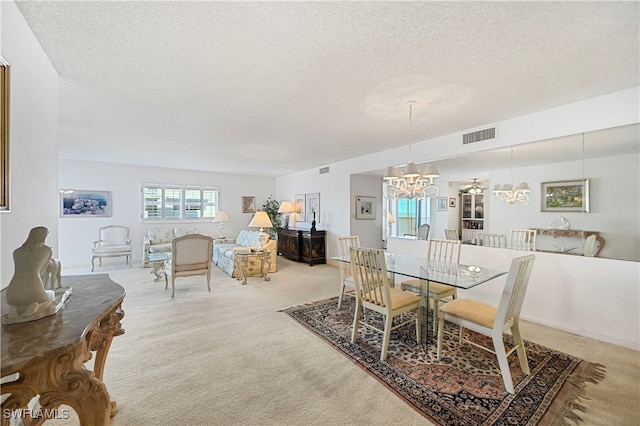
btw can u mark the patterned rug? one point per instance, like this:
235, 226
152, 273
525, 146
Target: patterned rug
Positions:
465, 387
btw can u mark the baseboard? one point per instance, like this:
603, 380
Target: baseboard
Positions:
584, 333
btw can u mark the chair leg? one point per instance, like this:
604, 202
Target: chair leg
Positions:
173, 285
503, 362
522, 354
92, 262
388, 323
356, 322
209, 281
166, 282
440, 332
340, 296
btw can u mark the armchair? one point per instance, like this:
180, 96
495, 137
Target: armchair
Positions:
190, 255
113, 242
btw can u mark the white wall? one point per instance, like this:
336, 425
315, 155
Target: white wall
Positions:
33, 135
620, 277
124, 182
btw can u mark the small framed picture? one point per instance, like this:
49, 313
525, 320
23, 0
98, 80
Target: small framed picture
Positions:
76, 203
365, 207
441, 204
300, 206
248, 204
452, 202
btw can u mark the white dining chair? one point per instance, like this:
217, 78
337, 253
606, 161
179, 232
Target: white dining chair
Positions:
522, 239
494, 240
375, 294
347, 286
493, 322
451, 234
439, 252
590, 246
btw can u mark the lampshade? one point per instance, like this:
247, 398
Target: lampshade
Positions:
221, 217
286, 207
261, 220
390, 218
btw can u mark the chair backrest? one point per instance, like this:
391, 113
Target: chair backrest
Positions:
590, 246
451, 234
114, 235
494, 240
369, 270
514, 289
522, 239
423, 231
440, 250
344, 246
191, 252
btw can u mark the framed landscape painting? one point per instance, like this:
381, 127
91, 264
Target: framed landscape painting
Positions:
565, 196
77, 203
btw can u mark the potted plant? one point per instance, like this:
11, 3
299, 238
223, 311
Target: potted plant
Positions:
271, 207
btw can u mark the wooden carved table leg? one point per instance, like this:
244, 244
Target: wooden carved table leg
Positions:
265, 261
62, 379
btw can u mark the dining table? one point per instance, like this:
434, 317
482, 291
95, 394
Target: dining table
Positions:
458, 275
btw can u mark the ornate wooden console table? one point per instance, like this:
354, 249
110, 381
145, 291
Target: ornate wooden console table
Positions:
49, 354
569, 238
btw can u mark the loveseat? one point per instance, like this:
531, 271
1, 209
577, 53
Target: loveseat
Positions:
224, 251
158, 240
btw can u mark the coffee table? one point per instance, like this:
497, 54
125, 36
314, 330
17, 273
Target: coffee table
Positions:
252, 263
157, 261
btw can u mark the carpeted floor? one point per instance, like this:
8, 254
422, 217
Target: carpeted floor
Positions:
231, 357
465, 387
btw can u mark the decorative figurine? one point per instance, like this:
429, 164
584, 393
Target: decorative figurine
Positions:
313, 223
26, 296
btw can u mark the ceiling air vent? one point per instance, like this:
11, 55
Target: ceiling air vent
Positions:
480, 135
324, 170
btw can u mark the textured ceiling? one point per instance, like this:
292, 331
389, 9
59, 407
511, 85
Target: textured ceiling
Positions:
269, 88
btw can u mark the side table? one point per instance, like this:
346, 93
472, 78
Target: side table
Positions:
252, 263
157, 261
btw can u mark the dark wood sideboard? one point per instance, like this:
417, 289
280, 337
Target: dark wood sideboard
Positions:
302, 245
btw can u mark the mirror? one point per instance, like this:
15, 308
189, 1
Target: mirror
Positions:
609, 161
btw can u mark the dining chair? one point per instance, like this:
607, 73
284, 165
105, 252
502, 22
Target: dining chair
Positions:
522, 239
590, 246
113, 241
439, 251
493, 322
190, 255
375, 294
346, 278
423, 231
494, 240
451, 234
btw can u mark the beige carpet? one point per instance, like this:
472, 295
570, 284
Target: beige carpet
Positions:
230, 358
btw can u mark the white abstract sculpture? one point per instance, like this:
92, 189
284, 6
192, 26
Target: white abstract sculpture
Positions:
26, 296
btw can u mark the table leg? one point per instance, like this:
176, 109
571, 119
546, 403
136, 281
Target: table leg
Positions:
268, 266
425, 315
157, 270
62, 378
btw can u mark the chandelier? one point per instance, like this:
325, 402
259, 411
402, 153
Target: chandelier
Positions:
412, 182
508, 194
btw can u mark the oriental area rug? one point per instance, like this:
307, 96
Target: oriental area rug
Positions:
465, 387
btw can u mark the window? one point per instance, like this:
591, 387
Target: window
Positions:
172, 202
408, 215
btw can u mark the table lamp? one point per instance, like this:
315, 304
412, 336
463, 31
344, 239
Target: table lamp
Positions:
261, 220
286, 207
221, 218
